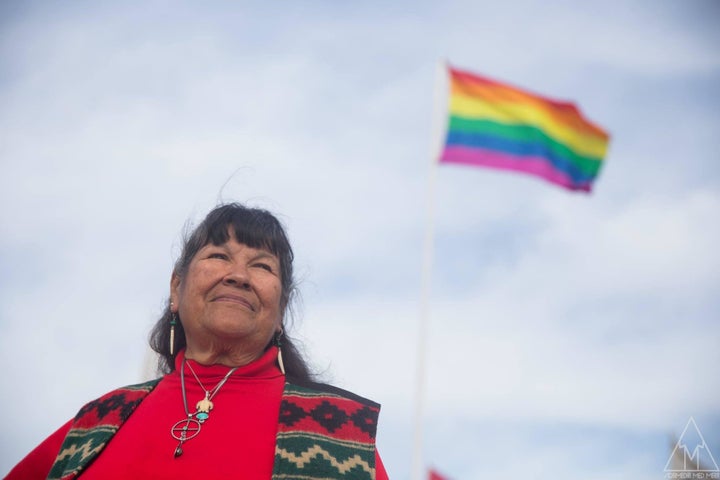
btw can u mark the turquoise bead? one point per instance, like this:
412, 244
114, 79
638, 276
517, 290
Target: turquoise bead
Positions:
202, 416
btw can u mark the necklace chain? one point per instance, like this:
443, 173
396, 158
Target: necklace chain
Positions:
209, 394
189, 427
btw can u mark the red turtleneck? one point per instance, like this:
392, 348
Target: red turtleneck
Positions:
233, 443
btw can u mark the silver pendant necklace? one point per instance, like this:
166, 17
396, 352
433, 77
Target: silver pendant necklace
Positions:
189, 427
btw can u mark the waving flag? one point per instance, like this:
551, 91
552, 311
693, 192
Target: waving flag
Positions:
500, 126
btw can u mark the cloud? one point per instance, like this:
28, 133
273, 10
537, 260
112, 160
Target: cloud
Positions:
588, 312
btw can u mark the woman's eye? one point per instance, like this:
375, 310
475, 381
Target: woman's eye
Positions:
265, 266
219, 255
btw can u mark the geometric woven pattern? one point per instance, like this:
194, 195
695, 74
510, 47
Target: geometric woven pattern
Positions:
94, 426
321, 435
324, 435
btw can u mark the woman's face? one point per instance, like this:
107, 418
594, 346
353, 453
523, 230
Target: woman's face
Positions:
229, 298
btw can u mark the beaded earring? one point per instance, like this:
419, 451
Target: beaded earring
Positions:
278, 344
173, 322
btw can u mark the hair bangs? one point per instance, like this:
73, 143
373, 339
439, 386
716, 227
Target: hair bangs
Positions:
251, 228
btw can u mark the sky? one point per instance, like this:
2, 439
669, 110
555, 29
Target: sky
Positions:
569, 334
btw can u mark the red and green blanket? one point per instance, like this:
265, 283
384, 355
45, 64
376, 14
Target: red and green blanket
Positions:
323, 432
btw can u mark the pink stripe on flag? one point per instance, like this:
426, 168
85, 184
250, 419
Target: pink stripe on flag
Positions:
492, 158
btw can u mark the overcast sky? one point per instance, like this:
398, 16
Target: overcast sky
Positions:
570, 335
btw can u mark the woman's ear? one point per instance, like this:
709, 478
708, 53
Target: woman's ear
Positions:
174, 293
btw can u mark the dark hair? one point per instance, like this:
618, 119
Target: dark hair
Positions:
256, 228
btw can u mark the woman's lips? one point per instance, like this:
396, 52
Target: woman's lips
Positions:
234, 299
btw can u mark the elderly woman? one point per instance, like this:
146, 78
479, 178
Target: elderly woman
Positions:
237, 399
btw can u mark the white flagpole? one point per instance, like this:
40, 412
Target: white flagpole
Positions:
436, 140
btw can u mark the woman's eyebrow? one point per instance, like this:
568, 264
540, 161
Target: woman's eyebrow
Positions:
212, 245
265, 254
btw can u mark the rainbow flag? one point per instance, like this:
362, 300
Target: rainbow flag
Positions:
496, 125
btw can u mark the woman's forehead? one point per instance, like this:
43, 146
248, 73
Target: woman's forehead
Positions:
232, 242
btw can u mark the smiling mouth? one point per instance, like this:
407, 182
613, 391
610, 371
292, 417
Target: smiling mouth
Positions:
234, 299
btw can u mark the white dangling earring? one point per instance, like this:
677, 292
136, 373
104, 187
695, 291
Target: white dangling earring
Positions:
278, 344
173, 322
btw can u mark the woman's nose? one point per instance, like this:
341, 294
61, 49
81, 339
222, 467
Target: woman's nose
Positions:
237, 277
